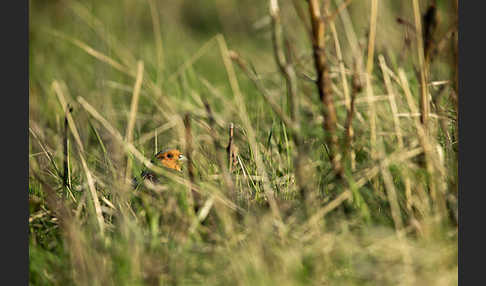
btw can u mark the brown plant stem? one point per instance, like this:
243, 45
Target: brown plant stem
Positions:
230, 149
324, 83
66, 177
424, 101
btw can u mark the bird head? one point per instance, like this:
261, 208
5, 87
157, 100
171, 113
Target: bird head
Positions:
171, 158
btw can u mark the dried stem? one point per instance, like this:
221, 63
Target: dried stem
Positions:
188, 151
195, 198
349, 100
391, 97
390, 191
324, 83
432, 166
66, 173
133, 114
283, 62
372, 36
398, 131
230, 149
424, 102
369, 70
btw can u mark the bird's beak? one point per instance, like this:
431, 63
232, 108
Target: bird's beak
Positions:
182, 158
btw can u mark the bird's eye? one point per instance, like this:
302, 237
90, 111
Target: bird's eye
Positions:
170, 155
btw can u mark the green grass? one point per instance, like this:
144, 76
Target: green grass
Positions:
389, 221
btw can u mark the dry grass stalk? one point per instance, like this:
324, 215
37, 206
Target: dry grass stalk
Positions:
98, 55
133, 115
391, 193
356, 87
372, 36
99, 215
432, 162
231, 151
342, 68
396, 124
324, 83
189, 147
283, 62
391, 98
194, 198
369, 70
352, 38
424, 97
371, 116
66, 173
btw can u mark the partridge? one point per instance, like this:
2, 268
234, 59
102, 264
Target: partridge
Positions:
169, 158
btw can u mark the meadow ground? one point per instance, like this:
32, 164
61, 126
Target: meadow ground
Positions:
314, 158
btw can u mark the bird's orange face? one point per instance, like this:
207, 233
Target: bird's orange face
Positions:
171, 158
